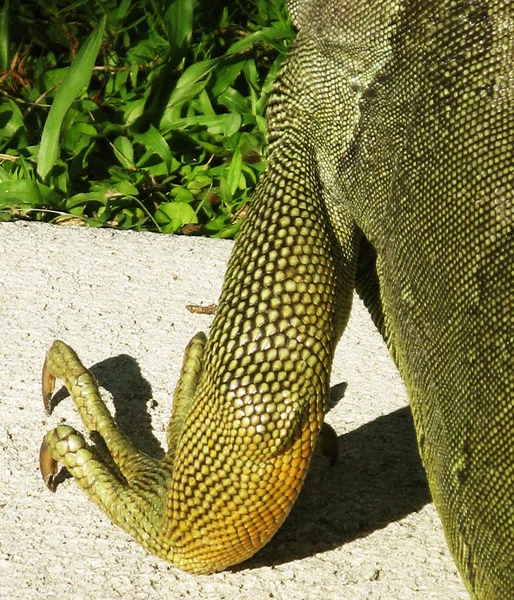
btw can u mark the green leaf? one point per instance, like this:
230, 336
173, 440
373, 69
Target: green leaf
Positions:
181, 194
199, 72
134, 109
126, 188
123, 9
217, 224
4, 37
234, 171
269, 35
110, 166
203, 104
83, 199
225, 125
153, 140
76, 78
179, 18
124, 151
234, 100
20, 192
78, 136
174, 215
52, 79
227, 76
28, 192
225, 192
230, 232
11, 120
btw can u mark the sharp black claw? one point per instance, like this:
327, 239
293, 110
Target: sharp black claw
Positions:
47, 466
48, 385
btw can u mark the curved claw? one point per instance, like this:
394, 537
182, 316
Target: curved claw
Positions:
48, 386
47, 466
329, 443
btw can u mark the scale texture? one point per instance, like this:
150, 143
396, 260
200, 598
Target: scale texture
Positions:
389, 172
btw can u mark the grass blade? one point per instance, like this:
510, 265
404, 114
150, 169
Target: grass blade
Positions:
179, 17
4, 37
77, 77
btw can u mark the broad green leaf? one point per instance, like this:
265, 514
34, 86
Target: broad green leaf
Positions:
134, 109
225, 125
157, 170
59, 178
179, 19
252, 74
123, 9
52, 79
94, 223
142, 53
82, 199
153, 140
181, 194
234, 100
75, 80
225, 192
118, 81
203, 104
124, 151
20, 192
227, 76
125, 187
217, 224
199, 183
197, 72
229, 232
78, 136
175, 215
27, 192
104, 214
11, 120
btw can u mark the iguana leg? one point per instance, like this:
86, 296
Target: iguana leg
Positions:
251, 400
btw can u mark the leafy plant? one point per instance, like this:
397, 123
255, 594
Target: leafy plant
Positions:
145, 114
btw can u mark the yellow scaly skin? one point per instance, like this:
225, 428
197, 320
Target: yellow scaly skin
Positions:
389, 172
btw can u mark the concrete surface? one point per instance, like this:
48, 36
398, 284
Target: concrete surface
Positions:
363, 529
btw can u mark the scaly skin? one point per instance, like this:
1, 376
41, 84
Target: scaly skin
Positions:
389, 172
240, 439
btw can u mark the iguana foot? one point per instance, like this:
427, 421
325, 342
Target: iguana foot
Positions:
126, 483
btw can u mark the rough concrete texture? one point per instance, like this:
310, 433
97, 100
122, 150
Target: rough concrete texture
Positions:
364, 529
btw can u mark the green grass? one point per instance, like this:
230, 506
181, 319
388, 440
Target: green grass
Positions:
136, 114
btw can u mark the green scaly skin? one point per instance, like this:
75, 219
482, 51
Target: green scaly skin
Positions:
241, 435
389, 172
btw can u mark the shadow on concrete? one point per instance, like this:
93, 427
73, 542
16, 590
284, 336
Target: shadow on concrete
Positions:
132, 394
377, 480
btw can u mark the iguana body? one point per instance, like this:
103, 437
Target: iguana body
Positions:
389, 171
